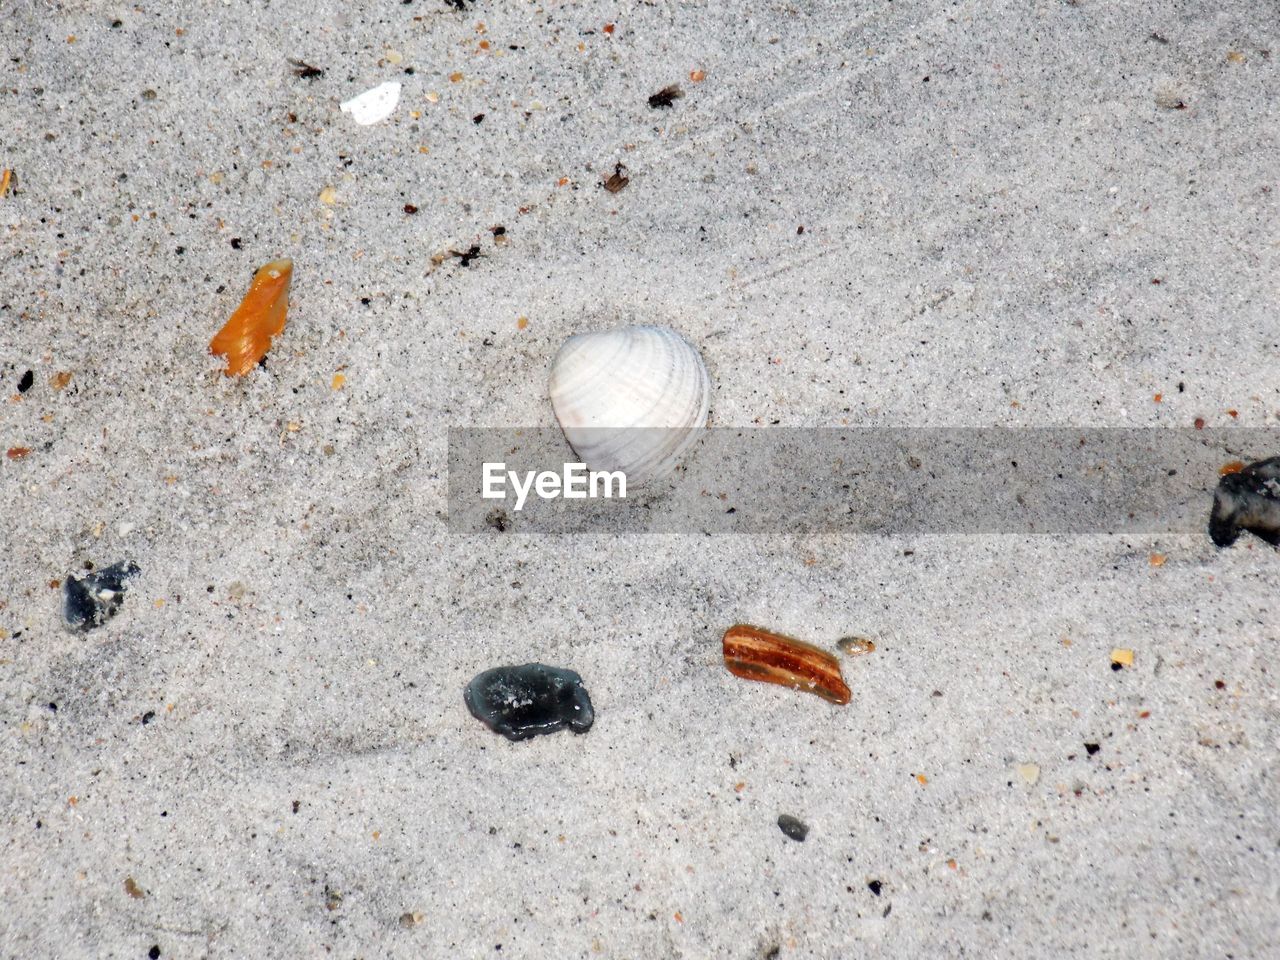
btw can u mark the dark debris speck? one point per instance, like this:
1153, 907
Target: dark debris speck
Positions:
466, 256
1092, 748
666, 97
875, 886
154, 952
25, 381
305, 70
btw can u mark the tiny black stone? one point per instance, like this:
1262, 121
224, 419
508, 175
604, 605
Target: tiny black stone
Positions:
25, 381
53, 706
154, 952
793, 827
148, 717
529, 700
498, 231
1092, 748
478, 119
1116, 667
875, 886
95, 598
235, 243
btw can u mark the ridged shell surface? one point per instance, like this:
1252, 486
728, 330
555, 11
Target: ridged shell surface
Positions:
632, 399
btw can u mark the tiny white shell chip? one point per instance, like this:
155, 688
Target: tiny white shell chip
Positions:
373, 105
633, 399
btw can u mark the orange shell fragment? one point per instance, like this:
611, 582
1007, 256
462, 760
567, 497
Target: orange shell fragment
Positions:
756, 654
246, 338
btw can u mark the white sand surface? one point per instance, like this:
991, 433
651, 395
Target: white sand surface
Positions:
988, 191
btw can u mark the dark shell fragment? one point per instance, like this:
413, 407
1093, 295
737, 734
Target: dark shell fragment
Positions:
92, 600
793, 827
1247, 500
525, 701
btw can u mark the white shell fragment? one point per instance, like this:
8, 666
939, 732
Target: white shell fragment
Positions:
632, 399
373, 105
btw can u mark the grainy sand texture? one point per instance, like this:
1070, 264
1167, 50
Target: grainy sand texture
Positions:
909, 213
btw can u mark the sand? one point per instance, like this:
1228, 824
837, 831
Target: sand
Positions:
1057, 213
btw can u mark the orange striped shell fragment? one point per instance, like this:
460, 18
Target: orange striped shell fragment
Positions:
246, 338
755, 654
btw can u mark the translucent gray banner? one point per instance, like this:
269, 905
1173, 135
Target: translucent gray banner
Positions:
1053, 480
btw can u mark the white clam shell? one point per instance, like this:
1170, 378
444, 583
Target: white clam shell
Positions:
632, 399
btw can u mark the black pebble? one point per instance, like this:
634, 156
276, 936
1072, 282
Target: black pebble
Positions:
92, 600
154, 952
525, 701
875, 887
793, 827
24, 384
1092, 748
1248, 500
